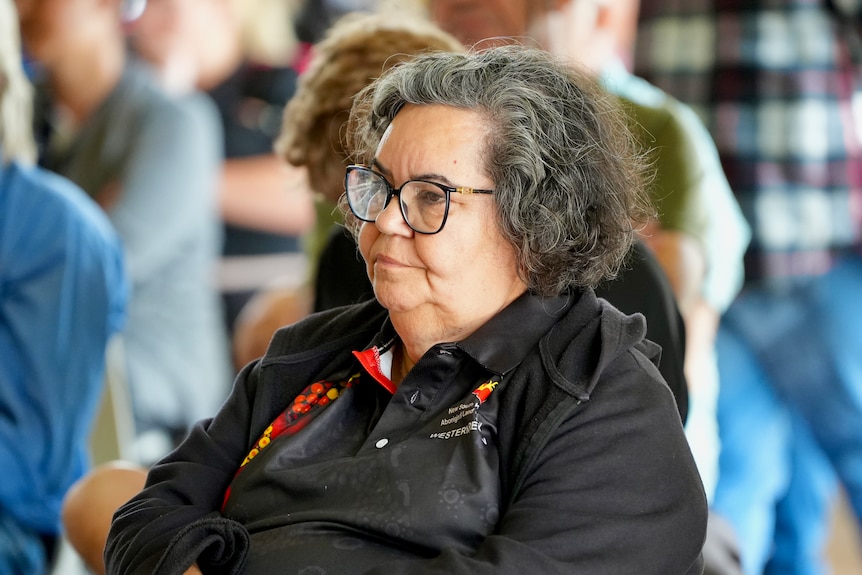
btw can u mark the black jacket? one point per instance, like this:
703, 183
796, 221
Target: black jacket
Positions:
596, 473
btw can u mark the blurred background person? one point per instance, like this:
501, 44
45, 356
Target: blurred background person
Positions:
153, 163
700, 234
316, 17
241, 53
62, 297
775, 83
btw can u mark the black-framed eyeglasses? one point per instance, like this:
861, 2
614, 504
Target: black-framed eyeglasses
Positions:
424, 205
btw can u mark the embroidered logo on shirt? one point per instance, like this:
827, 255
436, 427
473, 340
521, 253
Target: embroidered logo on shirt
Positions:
483, 391
465, 409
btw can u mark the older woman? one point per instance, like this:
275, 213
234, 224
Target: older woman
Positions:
485, 413
354, 52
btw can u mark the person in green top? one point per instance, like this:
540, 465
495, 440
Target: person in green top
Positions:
700, 234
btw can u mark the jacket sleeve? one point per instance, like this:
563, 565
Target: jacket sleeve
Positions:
614, 490
175, 521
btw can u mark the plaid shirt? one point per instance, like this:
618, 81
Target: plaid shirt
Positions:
774, 82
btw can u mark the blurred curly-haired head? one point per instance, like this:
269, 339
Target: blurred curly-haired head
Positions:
569, 176
354, 52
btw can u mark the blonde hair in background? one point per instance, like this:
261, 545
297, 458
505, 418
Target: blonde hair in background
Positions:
16, 93
409, 7
355, 51
267, 30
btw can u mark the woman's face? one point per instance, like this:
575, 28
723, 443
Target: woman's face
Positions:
196, 33
56, 30
161, 29
473, 20
460, 277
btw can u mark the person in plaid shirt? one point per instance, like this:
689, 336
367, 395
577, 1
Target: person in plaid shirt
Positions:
775, 83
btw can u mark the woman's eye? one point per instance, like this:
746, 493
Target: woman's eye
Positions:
431, 196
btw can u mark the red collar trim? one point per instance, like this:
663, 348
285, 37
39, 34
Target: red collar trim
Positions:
370, 360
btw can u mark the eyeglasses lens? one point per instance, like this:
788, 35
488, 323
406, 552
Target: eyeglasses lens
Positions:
423, 204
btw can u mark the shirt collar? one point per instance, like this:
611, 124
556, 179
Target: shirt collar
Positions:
506, 339
377, 361
498, 346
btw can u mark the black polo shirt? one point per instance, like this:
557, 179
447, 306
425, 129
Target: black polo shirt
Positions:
357, 472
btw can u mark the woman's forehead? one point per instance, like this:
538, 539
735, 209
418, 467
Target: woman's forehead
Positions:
436, 142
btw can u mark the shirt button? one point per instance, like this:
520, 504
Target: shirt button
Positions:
381, 443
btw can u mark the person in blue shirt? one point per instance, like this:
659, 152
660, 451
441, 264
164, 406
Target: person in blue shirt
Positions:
62, 296
152, 162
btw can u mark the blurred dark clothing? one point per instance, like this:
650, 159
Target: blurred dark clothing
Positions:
250, 104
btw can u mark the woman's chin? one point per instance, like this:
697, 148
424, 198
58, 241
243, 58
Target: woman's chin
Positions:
393, 305
396, 300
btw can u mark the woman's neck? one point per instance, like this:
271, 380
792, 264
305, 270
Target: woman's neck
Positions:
401, 364
422, 327
420, 332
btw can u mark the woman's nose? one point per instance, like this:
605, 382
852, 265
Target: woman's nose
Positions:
391, 220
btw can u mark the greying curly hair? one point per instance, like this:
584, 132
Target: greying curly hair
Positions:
569, 179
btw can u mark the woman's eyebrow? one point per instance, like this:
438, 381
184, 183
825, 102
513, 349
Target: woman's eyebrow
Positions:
375, 163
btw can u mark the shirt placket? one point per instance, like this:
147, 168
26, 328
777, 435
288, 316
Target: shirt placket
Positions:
434, 382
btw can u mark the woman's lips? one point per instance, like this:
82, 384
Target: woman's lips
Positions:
388, 261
